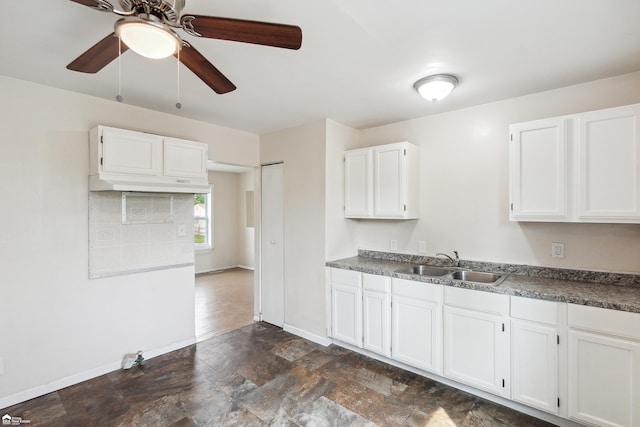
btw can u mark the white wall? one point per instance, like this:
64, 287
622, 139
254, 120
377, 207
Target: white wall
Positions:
341, 234
246, 239
56, 325
302, 149
464, 186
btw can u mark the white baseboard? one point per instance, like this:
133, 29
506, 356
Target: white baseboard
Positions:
221, 269
323, 341
61, 383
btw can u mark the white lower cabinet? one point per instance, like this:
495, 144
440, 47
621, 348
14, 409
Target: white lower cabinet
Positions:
476, 339
534, 353
346, 306
416, 324
376, 312
604, 366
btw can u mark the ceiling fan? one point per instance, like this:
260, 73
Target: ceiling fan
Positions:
148, 28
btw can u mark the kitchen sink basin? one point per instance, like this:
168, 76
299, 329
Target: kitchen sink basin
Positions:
425, 270
476, 276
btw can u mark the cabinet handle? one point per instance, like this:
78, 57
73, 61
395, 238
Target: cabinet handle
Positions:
184, 181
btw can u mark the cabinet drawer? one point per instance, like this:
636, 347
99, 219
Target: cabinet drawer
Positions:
373, 282
346, 277
535, 310
620, 323
477, 300
418, 290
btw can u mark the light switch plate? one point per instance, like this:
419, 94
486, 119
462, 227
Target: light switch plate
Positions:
182, 230
1, 365
393, 245
422, 246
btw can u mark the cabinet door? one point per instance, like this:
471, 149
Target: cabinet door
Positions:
534, 365
476, 350
346, 304
376, 313
604, 379
416, 333
185, 159
389, 181
358, 179
539, 170
609, 162
129, 152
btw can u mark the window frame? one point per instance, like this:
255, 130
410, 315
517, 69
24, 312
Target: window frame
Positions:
207, 246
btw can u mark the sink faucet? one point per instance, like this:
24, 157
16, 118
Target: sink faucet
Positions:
455, 261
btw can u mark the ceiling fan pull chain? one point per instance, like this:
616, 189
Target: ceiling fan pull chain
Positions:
178, 104
119, 96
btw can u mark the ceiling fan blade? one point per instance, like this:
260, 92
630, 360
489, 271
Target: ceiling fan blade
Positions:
98, 56
205, 70
101, 5
239, 30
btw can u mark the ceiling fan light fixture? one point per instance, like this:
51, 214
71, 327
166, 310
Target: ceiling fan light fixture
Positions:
437, 87
150, 39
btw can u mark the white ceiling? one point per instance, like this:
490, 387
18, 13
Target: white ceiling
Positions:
358, 61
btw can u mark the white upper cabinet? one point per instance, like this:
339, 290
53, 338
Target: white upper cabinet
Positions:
358, 190
382, 182
130, 152
609, 162
579, 168
124, 160
185, 159
538, 168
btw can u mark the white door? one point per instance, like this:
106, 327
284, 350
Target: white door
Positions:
272, 246
358, 183
129, 152
185, 159
389, 181
609, 158
604, 379
476, 350
538, 170
347, 313
415, 332
534, 373
376, 312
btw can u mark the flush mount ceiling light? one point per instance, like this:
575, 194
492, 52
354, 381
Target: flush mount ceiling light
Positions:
436, 87
147, 36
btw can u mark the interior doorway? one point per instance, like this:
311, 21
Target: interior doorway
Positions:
224, 282
224, 302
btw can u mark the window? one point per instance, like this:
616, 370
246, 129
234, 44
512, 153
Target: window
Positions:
202, 220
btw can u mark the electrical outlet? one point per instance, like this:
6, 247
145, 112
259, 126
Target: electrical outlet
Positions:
422, 246
182, 230
557, 249
393, 245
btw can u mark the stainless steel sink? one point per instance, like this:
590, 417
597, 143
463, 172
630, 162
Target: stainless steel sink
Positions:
476, 276
424, 270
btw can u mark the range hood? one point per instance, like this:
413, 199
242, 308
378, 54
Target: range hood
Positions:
98, 183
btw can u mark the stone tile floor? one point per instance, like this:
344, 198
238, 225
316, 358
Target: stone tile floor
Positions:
260, 375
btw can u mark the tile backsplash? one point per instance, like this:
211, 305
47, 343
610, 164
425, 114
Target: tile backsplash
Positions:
118, 245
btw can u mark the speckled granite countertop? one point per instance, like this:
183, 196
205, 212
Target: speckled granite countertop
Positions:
615, 291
